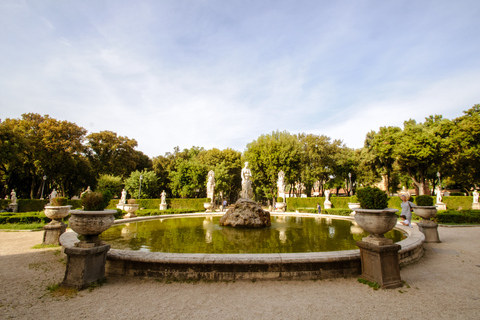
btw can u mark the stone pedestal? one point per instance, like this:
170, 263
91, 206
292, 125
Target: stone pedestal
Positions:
52, 232
163, 206
441, 206
476, 206
380, 264
327, 205
14, 207
430, 229
85, 266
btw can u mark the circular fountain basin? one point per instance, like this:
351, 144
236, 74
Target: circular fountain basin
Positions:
194, 246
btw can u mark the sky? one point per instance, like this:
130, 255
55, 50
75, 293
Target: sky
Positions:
218, 74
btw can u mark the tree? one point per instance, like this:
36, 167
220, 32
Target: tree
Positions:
47, 147
111, 183
422, 149
227, 166
149, 184
188, 179
463, 168
318, 160
112, 154
381, 147
270, 154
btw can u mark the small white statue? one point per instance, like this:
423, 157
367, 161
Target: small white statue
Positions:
53, 195
475, 196
164, 197
327, 195
86, 191
247, 192
123, 198
438, 192
13, 195
211, 185
281, 183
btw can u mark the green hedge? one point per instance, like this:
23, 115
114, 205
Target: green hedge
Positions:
458, 202
464, 216
294, 204
4, 204
186, 204
23, 217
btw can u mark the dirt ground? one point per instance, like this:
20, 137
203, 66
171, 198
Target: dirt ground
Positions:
445, 284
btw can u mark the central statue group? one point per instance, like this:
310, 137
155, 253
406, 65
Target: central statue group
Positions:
246, 213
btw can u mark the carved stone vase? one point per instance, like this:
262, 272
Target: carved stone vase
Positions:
56, 227
427, 226
379, 255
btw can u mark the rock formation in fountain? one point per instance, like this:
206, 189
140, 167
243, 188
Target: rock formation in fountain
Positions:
246, 214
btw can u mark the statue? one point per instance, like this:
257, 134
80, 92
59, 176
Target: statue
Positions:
86, 191
475, 196
327, 204
438, 192
211, 186
163, 195
281, 184
53, 195
123, 199
14, 196
247, 192
327, 195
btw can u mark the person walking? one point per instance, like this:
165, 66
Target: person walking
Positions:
407, 208
319, 208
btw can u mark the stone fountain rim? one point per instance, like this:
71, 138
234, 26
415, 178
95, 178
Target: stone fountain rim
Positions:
414, 239
53, 207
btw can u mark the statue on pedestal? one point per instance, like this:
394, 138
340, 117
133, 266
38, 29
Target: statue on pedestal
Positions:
123, 198
53, 195
247, 192
281, 184
211, 186
438, 192
475, 196
13, 195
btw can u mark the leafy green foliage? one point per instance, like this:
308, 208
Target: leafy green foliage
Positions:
372, 198
464, 216
373, 285
59, 201
96, 201
270, 154
149, 184
189, 176
111, 183
424, 200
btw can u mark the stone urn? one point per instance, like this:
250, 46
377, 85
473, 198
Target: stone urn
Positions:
376, 222
90, 224
427, 226
56, 227
57, 213
208, 206
130, 209
281, 206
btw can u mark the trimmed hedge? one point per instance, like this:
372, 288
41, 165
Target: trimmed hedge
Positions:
464, 216
27, 217
458, 202
185, 204
294, 204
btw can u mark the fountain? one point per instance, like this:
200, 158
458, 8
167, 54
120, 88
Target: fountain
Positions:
198, 246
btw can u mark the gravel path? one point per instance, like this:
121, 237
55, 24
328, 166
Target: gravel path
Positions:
445, 284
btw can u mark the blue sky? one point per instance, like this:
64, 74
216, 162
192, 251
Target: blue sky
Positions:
221, 73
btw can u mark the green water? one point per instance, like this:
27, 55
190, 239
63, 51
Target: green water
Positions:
203, 235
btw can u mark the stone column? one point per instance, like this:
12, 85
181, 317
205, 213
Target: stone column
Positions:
85, 266
380, 264
52, 233
430, 229
14, 207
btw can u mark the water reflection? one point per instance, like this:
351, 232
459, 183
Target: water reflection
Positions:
205, 235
